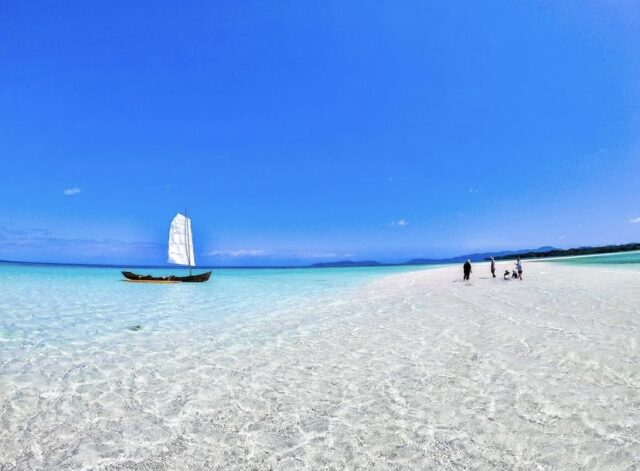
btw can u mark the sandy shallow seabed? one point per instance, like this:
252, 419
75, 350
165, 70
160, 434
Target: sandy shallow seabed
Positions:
414, 371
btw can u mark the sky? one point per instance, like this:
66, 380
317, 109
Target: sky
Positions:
300, 132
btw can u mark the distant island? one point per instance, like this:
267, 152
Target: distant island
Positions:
572, 252
474, 257
541, 252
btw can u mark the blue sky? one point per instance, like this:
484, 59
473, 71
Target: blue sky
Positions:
299, 132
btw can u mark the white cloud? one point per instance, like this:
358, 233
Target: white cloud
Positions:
635, 220
72, 191
237, 253
399, 223
473, 190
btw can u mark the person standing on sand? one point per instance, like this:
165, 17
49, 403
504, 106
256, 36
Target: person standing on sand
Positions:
467, 270
519, 268
493, 267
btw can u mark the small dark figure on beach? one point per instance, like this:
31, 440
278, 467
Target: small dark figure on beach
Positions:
467, 270
519, 268
493, 267
506, 274
514, 274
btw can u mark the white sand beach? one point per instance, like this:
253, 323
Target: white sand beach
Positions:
414, 371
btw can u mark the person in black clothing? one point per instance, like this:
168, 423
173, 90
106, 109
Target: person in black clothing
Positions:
493, 267
467, 270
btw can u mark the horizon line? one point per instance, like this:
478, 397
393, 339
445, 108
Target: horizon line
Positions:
417, 261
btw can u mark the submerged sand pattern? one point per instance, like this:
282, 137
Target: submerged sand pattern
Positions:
413, 371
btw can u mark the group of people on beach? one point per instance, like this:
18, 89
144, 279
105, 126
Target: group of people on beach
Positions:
516, 273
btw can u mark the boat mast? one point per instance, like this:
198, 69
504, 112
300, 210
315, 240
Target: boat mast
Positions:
186, 236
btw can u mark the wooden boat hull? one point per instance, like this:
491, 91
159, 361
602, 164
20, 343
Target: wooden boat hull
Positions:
199, 278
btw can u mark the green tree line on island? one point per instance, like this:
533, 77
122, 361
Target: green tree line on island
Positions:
573, 252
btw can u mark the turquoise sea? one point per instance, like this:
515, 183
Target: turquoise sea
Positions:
625, 258
57, 304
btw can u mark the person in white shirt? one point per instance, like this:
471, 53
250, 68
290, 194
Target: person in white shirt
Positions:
519, 267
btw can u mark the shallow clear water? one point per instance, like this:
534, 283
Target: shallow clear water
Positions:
96, 371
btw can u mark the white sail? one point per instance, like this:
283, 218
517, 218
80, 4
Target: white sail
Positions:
181, 242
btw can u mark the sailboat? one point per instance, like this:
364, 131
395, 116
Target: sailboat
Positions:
180, 253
